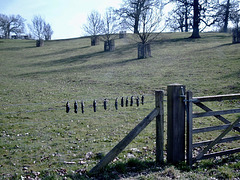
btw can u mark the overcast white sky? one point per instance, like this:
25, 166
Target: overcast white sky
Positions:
66, 17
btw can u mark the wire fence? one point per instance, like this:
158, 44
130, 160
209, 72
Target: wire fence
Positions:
80, 105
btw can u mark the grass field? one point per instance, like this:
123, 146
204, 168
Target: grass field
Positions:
39, 139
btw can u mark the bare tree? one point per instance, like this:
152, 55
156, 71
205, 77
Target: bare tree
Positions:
149, 22
110, 25
226, 11
48, 32
40, 29
179, 17
131, 11
37, 27
109, 30
204, 11
94, 24
11, 24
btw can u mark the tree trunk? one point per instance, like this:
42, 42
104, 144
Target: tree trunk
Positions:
196, 20
144, 51
236, 36
94, 40
225, 27
136, 25
122, 34
39, 43
186, 20
109, 45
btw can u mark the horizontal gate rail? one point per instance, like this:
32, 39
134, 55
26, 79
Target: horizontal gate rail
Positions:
205, 143
231, 151
216, 98
212, 128
215, 113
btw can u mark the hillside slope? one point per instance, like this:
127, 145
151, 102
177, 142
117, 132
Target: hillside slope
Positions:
35, 84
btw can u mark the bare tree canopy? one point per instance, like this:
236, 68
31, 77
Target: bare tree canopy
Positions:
110, 24
149, 22
37, 27
94, 24
180, 17
40, 29
11, 24
47, 31
132, 10
227, 10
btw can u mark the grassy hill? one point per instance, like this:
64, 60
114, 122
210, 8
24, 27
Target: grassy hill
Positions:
36, 133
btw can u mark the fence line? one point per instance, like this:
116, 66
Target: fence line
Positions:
110, 107
98, 101
79, 100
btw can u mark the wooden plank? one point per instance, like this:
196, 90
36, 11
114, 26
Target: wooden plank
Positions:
221, 118
189, 128
159, 95
205, 143
231, 151
200, 155
216, 98
215, 113
124, 142
212, 128
175, 123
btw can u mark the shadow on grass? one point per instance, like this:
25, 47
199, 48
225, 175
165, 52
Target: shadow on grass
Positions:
73, 59
17, 48
82, 68
81, 59
130, 169
59, 52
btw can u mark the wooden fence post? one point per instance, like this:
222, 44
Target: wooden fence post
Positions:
175, 123
159, 95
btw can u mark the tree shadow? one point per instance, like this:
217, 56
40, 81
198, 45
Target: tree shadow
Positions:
16, 48
79, 58
219, 46
83, 68
175, 40
59, 52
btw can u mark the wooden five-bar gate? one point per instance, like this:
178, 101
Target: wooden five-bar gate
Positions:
227, 127
180, 109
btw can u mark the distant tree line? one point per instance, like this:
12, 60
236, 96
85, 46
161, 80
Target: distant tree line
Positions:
15, 24
191, 14
143, 17
146, 19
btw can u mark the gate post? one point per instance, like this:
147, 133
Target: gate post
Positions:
159, 95
175, 123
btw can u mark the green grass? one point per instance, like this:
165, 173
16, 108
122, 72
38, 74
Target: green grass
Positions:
37, 135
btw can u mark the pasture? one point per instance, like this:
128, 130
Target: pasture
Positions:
38, 138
